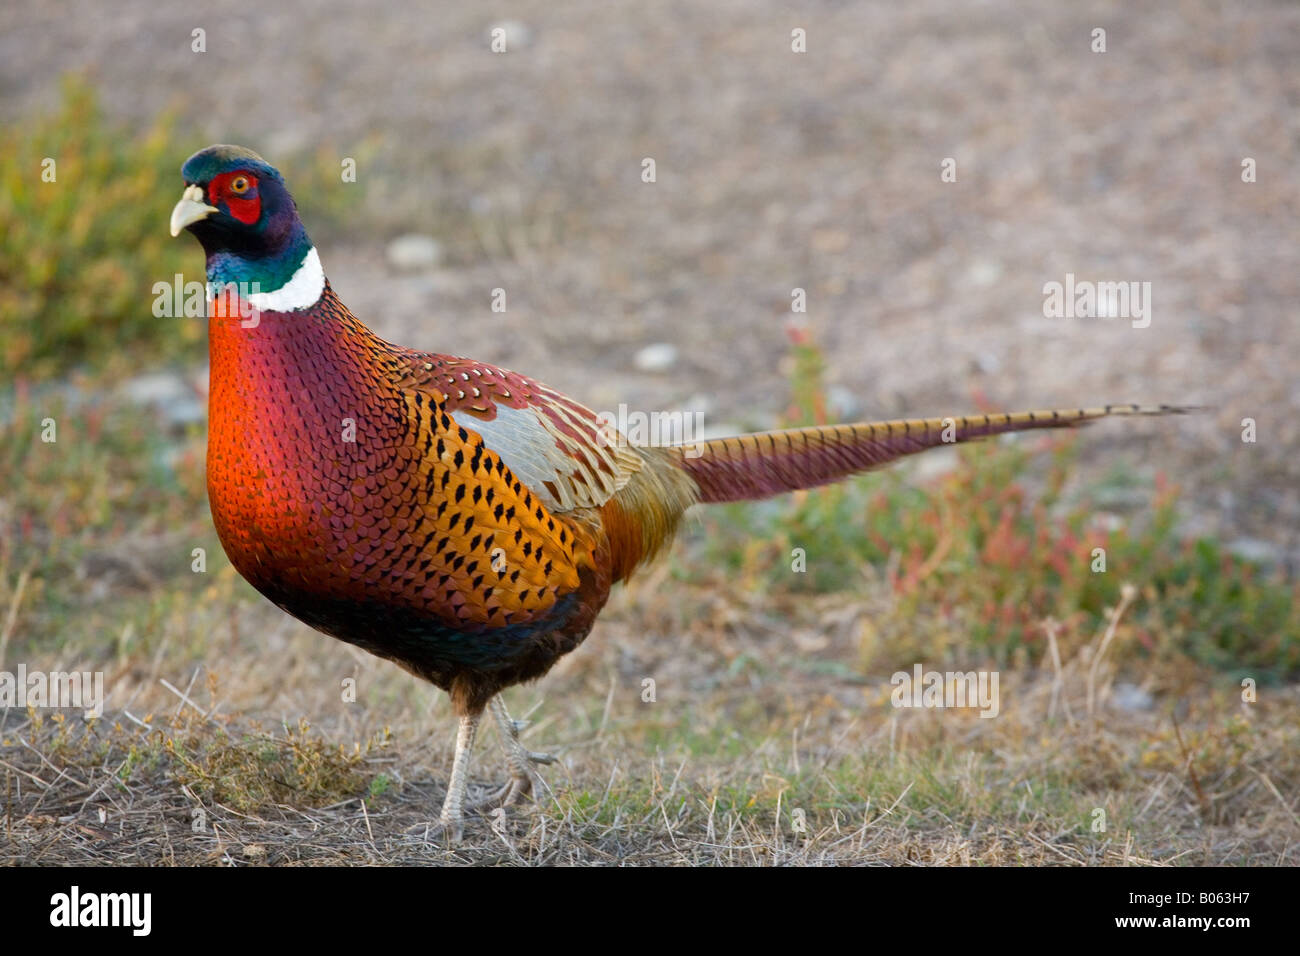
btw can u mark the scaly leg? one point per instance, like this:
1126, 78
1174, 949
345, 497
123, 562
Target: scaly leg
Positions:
452, 820
524, 780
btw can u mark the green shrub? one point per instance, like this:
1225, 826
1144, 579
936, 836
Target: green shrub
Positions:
79, 256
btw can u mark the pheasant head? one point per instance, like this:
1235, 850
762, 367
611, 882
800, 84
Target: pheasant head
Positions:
238, 207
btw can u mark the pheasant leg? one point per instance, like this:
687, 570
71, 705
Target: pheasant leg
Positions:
451, 821
524, 780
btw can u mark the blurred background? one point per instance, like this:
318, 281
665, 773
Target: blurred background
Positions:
775, 170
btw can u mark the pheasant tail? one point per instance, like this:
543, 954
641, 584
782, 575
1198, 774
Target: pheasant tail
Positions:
770, 463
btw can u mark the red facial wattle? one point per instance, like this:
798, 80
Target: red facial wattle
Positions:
243, 204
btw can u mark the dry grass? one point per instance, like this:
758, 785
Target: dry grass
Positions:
753, 722
880, 791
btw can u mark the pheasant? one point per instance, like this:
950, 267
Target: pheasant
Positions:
463, 521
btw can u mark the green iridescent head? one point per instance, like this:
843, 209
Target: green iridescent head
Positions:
238, 207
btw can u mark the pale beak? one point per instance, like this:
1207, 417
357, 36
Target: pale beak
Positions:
190, 209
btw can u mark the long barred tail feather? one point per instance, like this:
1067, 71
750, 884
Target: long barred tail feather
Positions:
769, 463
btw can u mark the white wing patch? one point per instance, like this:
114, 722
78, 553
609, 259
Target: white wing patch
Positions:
565, 472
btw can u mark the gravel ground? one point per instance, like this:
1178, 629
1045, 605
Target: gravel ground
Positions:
778, 170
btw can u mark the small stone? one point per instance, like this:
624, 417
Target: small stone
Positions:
986, 363
157, 388
414, 253
174, 397
659, 357
1255, 550
1131, 697
843, 405
185, 411
288, 139
935, 463
699, 403
1107, 521
984, 272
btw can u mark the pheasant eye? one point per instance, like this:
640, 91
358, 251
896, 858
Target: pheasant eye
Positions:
239, 185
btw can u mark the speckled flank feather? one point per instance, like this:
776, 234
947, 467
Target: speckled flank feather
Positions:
757, 466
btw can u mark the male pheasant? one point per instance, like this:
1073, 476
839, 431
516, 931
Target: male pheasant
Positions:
461, 520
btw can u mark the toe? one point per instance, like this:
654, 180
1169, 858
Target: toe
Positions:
445, 832
490, 800
520, 788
